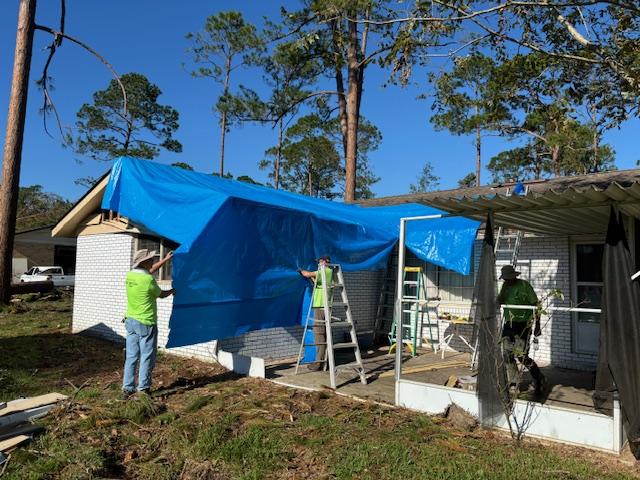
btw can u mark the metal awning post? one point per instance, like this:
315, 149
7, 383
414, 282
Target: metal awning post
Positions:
398, 303
399, 290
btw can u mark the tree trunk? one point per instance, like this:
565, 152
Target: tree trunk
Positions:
478, 156
342, 100
596, 145
13, 142
223, 118
276, 166
352, 114
555, 160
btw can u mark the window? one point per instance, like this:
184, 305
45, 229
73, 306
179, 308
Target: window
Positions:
588, 294
162, 246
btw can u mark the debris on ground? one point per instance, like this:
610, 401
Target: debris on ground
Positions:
16, 416
460, 419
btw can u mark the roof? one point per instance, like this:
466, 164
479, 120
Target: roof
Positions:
88, 204
36, 229
560, 206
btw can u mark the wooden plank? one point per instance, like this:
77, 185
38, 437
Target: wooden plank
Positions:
13, 442
427, 368
33, 402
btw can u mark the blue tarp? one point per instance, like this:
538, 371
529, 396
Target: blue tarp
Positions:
241, 244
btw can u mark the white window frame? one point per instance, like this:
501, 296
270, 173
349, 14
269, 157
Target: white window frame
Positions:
583, 240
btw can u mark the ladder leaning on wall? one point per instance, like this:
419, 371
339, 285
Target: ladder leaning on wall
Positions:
336, 314
507, 244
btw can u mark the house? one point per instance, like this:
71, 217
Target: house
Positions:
37, 246
563, 221
107, 239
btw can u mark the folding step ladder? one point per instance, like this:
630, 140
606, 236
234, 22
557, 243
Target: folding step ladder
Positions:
417, 297
336, 314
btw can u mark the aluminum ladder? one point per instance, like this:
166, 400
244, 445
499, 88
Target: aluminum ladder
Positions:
507, 245
336, 314
512, 248
386, 305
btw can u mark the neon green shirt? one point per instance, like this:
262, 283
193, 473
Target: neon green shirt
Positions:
520, 293
318, 291
142, 292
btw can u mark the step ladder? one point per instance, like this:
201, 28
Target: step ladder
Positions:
336, 314
414, 292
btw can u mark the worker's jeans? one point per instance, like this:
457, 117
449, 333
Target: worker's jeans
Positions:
515, 345
320, 334
142, 343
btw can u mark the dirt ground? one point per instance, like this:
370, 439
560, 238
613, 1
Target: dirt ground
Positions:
204, 422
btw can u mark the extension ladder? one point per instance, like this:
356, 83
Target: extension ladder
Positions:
507, 245
511, 249
336, 314
386, 304
417, 297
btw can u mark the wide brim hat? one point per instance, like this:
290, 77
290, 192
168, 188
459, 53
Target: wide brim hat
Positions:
143, 255
508, 273
326, 258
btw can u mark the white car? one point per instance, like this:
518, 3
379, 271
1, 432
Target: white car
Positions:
43, 274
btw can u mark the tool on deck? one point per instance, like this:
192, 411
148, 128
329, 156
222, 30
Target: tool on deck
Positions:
414, 293
336, 314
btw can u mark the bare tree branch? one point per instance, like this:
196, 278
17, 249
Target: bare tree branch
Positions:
59, 35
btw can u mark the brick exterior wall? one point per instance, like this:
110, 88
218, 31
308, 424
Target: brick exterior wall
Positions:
100, 303
103, 261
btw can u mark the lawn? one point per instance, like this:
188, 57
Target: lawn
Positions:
206, 423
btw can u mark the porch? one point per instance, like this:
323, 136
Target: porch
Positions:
566, 413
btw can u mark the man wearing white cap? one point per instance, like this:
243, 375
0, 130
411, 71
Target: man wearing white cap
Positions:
141, 318
516, 330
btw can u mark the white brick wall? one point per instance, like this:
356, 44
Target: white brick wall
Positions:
103, 261
546, 263
100, 303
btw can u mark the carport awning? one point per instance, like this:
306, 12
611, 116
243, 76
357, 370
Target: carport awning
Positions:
571, 211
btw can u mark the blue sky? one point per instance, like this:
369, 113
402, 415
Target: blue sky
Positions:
148, 36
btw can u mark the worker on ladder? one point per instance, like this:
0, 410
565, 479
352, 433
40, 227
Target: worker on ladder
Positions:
319, 328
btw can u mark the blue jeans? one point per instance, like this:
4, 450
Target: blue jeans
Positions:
142, 343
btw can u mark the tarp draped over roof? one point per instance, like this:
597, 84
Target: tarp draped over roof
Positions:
241, 244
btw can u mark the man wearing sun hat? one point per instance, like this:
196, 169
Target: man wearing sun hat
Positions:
319, 327
141, 318
516, 330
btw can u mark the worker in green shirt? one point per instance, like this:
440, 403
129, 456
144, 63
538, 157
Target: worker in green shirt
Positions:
516, 330
319, 327
141, 320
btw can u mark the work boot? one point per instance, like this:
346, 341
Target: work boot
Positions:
126, 394
541, 386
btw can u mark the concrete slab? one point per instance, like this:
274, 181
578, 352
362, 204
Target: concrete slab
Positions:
568, 388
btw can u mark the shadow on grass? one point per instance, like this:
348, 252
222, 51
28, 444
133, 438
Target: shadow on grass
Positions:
31, 364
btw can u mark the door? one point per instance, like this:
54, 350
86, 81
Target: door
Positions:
588, 294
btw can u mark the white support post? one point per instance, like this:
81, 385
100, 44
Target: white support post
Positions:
398, 303
400, 293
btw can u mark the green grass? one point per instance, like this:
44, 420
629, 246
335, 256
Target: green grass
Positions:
242, 428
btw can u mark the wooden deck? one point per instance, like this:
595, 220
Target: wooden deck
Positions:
568, 388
